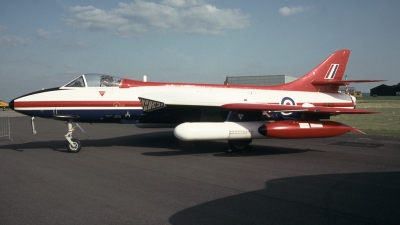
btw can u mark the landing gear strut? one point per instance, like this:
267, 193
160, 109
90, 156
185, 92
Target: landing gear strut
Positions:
74, 145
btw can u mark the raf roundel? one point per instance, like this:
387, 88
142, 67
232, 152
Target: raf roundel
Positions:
287, 101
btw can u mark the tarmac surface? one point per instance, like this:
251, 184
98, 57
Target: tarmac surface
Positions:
127, 175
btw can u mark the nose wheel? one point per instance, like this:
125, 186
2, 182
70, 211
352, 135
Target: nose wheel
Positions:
74, 145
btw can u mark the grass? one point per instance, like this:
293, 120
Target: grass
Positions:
387, 123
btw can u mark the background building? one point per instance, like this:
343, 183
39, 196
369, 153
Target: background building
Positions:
385, 90
264, 80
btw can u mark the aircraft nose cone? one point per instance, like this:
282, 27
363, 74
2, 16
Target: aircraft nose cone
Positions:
263, 130
11, 104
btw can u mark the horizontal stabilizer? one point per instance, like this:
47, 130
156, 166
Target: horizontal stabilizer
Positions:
342, 82
292, 108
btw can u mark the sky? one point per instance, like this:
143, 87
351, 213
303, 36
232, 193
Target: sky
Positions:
45, 44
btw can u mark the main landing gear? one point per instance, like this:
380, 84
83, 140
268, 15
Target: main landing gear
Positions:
239, 145
74, 145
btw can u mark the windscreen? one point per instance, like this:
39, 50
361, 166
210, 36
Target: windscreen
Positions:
78, 82
100, 80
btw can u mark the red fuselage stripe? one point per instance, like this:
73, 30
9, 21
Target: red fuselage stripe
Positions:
38, 104
34, 104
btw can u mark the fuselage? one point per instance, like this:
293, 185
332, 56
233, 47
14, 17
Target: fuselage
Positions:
299, 109
103, 98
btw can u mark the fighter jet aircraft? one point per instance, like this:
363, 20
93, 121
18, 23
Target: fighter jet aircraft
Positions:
236, 113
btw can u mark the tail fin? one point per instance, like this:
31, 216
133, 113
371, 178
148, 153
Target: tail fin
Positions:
326, 77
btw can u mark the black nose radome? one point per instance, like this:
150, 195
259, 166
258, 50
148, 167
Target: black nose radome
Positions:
263, 130
11, 105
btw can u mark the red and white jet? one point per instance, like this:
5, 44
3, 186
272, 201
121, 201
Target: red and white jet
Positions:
236, 113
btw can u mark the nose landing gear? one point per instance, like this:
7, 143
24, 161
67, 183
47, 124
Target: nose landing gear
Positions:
74, 145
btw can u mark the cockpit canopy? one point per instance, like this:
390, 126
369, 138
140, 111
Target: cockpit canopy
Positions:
95, 80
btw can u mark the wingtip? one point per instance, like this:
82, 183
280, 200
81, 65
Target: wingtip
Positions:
355, 130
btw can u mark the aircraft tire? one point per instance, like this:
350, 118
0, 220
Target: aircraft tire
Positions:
74, 149
239, 145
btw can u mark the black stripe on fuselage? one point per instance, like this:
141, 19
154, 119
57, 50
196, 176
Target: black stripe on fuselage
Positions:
11, 104
41, 91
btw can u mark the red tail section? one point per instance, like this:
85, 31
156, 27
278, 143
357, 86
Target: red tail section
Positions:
325, 77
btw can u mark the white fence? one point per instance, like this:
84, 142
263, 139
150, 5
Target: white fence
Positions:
5, 128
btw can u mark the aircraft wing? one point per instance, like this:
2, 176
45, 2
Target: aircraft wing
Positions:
158, 100
292, 108
177, 98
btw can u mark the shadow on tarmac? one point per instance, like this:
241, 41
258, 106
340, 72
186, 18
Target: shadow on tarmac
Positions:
162, 140
355, 198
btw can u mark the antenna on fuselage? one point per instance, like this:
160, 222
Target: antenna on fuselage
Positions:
144, 78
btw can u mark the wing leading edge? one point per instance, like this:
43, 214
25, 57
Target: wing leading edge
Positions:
291, 108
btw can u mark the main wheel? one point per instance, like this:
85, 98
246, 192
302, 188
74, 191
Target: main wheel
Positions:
75, 147
239, 145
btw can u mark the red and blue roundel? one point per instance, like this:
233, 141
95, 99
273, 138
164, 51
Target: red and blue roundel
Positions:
287, 101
